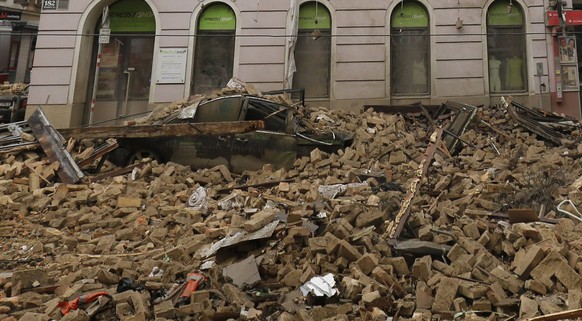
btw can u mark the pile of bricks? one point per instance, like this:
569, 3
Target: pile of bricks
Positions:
261, 236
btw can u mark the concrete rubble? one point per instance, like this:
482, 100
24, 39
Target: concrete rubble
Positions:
261, 237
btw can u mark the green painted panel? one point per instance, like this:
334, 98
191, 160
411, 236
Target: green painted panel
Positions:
312, 16
499, 14
217, 16
410, 15
131, 16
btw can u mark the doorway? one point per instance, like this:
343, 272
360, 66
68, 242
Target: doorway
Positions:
124, 74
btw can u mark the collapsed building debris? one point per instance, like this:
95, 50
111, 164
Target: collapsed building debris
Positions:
480, 236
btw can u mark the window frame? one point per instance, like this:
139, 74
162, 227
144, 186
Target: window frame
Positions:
500, 30
421, 32
306, 34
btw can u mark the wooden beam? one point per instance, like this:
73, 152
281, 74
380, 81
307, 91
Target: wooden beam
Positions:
141, 131
100, 151
394, 227
563, 315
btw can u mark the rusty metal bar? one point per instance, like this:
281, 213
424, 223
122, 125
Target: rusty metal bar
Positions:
174, 130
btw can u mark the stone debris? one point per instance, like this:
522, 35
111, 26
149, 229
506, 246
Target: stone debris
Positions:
308, 243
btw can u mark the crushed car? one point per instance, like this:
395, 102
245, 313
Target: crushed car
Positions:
283, 139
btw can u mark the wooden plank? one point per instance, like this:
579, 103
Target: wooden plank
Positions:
525, 215
100, 151
563, 315
140, 131
116, 172
394, 228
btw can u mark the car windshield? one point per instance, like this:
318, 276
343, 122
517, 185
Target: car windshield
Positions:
274, 115
238, 108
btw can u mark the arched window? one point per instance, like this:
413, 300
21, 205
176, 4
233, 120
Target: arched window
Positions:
410, 50
124, 79
506, 47
214, 54
313, 50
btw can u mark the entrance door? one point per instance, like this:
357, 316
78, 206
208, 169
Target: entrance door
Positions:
124, 77
123, 82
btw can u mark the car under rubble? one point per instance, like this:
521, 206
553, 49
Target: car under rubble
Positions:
284, 138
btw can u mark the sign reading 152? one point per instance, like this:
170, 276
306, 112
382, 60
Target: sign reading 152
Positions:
49, 4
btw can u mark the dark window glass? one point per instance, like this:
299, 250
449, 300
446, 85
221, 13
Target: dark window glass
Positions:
506, 51
126, 63
409, 50
312, 59
213, 61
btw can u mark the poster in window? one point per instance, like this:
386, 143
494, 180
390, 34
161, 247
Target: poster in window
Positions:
569, 77
568, 49
107, 81
172, 65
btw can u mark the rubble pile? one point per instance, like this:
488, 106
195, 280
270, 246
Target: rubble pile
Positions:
492, 233
8, 89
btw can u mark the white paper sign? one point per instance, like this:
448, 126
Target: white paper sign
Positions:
172, 65
104, 35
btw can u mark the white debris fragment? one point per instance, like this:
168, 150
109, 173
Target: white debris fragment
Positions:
156, 271
331, 191
320, 286
207, 265
198, 200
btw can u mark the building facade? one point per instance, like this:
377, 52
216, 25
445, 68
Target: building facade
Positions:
19, 21
99, 60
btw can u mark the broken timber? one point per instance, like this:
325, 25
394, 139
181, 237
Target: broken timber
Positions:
530, 124
563, 315
395, 227
176, 130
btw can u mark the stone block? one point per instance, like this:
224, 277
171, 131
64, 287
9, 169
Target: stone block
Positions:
508, 281
536, 287
76, 315
398, 263
367, 263
495, 293
421, 268
348, 251
424, 297
369, 218
382, 277
31, 316
460, 304
125, 201
24, 279
481, 305
446, 293
528, 308
554, 264
259, 220
574, 299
